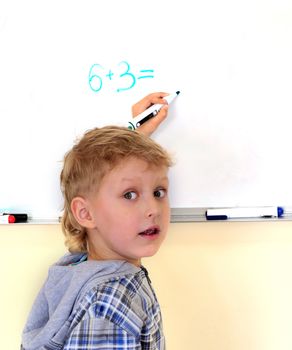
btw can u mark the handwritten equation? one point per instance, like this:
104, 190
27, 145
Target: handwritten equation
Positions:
124, 77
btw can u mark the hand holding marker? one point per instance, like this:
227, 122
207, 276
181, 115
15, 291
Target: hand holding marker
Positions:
150, 112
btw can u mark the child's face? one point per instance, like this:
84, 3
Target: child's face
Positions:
130, 212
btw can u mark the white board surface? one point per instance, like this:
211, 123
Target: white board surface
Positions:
68, 66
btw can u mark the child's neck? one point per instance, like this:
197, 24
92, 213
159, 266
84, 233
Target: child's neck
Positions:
94, 256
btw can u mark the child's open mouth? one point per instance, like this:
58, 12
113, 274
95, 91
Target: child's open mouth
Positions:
150, 232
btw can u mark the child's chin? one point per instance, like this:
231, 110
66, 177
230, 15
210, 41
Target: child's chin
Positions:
150, 252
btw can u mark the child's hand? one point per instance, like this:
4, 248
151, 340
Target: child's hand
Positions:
152, 124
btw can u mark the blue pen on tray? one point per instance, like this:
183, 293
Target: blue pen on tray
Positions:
244, 213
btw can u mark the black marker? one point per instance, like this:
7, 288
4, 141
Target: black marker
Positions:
150, 112
18, 217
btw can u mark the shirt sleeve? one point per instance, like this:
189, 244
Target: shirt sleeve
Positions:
99, 333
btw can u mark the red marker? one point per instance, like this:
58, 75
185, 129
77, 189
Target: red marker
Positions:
18, 217
7, 219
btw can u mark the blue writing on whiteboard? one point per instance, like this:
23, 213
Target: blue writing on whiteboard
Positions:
95, 81
128, 76
123, 74
146, 76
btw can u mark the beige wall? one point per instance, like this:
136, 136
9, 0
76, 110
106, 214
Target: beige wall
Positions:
222, 286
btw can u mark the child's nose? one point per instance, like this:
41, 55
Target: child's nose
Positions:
152, 208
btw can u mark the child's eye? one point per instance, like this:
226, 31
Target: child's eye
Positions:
130, 195
160, 193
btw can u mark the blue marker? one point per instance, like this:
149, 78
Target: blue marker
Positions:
244, 213
150, 112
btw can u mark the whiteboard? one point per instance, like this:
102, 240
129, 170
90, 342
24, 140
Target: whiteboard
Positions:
68, 66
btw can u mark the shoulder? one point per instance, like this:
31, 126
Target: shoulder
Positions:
122, 300
118, 293
119, 309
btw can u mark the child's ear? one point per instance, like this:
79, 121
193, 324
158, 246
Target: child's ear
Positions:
81, 211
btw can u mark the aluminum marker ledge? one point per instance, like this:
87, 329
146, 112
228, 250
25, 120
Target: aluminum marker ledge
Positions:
198, 215
177, 215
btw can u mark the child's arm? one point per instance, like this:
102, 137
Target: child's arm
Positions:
152, 124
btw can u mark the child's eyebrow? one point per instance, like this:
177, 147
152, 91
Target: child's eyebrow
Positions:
164, 178
135, 178
130, 179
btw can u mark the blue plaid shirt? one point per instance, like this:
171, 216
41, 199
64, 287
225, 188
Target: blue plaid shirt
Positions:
122, 314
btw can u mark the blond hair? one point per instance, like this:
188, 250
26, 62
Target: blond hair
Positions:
90, 159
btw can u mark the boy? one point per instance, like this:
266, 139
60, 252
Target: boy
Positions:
116, 211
